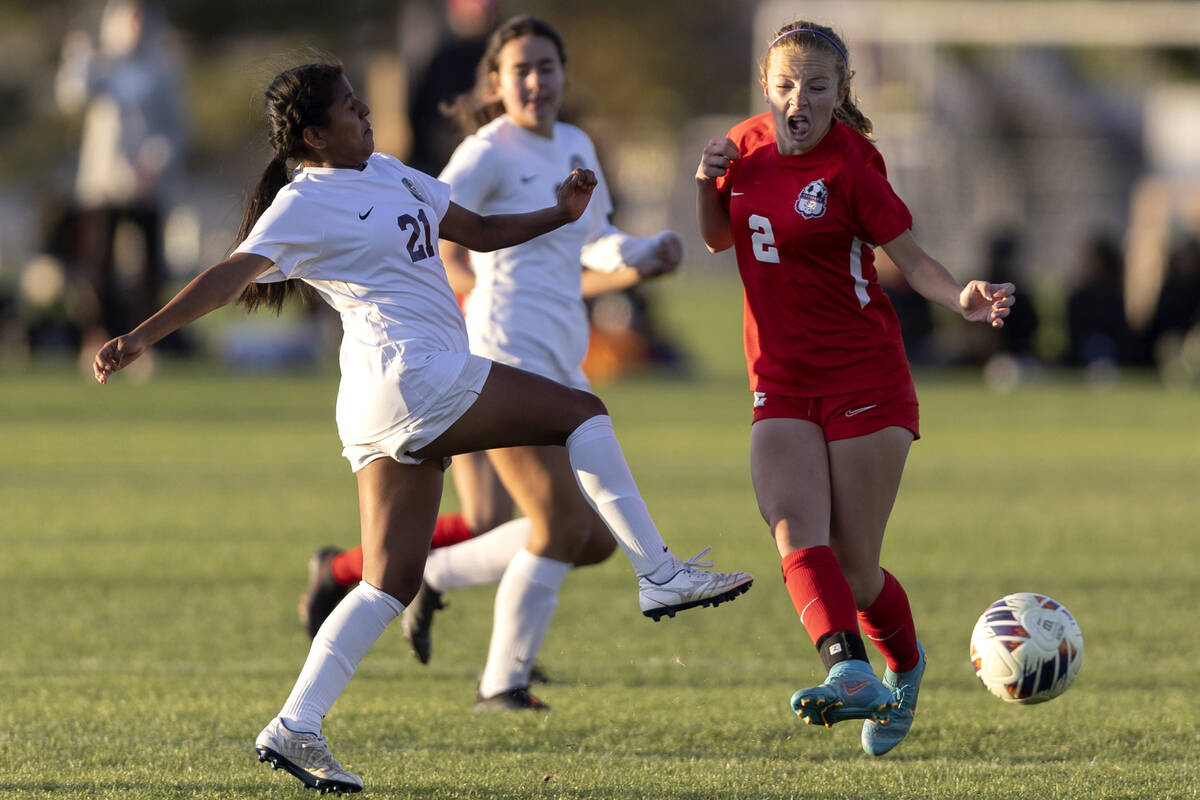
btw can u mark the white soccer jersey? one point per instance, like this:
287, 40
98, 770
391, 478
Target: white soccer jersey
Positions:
367, 242
525, 309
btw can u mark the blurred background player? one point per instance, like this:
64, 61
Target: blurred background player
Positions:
802, 195
525, 309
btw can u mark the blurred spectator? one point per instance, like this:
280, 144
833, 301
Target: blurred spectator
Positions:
449, 73
1009, 355
915, 313
1097, 329
1173, 336
1018, 336
128, 91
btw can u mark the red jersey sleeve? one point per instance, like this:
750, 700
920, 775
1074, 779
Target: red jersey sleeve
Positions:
747, 136
879, 211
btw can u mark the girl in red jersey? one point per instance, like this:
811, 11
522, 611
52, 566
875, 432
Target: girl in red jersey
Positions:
802, 196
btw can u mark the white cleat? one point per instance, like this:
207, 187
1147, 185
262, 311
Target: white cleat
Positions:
690, 585
306, 756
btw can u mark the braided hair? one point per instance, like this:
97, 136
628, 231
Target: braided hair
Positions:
296, 99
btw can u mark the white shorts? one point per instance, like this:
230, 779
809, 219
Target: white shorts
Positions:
416, 433
574, 378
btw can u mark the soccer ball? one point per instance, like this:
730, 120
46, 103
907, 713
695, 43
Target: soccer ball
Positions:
1026, 648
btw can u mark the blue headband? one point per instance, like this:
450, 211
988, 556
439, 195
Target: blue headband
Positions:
824, 36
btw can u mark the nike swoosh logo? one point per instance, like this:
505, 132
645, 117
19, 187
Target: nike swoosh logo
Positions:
527, 178
737, 194
369, 210
855, 411
854, 687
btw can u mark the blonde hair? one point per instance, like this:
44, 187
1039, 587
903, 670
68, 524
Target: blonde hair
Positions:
804, 35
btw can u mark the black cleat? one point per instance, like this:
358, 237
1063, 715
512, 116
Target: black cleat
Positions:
417, 621
512, 700
323, 592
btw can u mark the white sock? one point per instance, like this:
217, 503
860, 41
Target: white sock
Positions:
477, 561
525, 602
344, 638
608, 486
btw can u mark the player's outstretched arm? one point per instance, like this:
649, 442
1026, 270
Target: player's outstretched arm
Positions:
216, 286
495, 231
663, 259
616, 260
978, 301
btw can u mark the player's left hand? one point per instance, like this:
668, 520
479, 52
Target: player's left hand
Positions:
981, 301
575, 192
115, 355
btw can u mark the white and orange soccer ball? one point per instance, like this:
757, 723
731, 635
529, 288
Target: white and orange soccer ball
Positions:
1026, 648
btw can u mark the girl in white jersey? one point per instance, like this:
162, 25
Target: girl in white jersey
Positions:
525, 309
360, 229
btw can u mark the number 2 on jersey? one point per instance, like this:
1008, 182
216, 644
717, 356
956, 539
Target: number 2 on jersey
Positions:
419, 227
762, 240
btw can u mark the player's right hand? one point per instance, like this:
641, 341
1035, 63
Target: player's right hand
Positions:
575, 192
116, 354
716, 159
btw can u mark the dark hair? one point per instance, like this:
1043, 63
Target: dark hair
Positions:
475, 108
297, 98
810, 35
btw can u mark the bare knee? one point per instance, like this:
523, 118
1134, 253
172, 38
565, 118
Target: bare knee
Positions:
599, 546
401, 581
562, 534
791, 533
482, 520
587, 405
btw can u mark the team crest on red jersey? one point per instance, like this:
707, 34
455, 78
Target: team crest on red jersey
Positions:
811, 202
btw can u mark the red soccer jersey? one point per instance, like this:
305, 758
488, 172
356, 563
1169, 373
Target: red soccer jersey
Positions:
816, 319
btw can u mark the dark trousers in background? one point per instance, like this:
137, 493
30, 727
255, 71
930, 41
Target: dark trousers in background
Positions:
124, 294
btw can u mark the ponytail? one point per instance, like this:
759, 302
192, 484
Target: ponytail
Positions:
849, 114
297, 98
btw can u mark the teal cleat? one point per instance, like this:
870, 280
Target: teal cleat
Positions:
852, 691
878, 739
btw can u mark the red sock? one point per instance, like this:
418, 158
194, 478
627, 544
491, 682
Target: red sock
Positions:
889, 624
346, 566
819, 592
450, 529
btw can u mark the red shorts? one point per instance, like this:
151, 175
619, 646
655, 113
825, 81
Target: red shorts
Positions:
845, 416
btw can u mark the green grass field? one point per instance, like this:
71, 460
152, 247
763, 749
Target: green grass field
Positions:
154, 539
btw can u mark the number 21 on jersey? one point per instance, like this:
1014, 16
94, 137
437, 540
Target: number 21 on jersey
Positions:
415, 227
762, 239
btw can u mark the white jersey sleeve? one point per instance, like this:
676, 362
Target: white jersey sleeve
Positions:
288, 234
471, 173
612, 249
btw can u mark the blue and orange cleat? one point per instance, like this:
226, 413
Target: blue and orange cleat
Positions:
878, 739
852, 691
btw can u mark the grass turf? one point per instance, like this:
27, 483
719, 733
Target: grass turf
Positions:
154, 539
